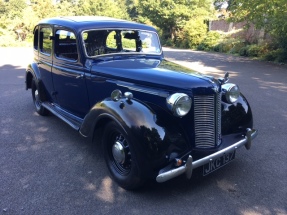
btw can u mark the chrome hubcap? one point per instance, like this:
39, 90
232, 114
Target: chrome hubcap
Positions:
36, 95
119, 152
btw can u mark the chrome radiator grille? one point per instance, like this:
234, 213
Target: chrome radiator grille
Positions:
207, 120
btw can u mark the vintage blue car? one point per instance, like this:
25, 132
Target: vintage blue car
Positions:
108, 79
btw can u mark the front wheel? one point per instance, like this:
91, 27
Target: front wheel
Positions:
37, 100
120, 158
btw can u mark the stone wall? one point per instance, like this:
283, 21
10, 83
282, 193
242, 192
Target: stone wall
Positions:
250, 34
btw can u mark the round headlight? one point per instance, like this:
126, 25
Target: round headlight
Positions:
179, 104
231, 91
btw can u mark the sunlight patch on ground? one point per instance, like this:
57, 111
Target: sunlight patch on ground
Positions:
226, 186
268, 84
259, 210
105, 192
90, 187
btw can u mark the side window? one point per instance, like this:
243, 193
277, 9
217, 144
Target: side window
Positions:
128, 40
111, 40
124, 41
66, 45
36, 38
95, 42
45, 40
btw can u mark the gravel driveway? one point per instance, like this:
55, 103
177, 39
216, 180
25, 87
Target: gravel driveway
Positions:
48, 168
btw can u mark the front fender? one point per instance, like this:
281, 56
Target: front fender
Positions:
154, 143
236, 117
131, 115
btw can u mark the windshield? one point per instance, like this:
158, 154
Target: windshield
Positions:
112, 41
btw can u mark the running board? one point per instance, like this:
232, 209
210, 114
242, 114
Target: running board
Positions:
71, 120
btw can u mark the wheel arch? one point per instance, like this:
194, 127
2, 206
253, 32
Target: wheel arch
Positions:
236, 117
32, 71
99, 125
137, 120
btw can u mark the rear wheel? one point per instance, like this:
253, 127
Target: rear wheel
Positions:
37, 100
120, 158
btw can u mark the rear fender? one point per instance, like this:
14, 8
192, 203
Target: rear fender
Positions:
32, 71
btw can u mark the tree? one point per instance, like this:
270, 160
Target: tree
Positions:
110, 8
132, 9
270, 15
172, 15
43, 9
12, 21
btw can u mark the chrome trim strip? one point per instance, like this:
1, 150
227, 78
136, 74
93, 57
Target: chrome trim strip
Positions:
53, 110
132, 86
218, 118
190, 164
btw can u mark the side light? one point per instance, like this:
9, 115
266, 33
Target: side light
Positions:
231, 91
116, 95
179, 104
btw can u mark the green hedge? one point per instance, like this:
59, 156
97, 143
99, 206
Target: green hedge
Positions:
218, 42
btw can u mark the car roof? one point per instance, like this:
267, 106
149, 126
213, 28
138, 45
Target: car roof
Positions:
80, 23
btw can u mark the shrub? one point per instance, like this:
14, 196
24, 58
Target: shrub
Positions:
236, 47
218, 47
279, 55
192, 34
243, 51
168, 42
253, 51
229, 45
211, 40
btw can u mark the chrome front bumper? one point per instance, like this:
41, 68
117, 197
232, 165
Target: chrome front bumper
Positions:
190, 164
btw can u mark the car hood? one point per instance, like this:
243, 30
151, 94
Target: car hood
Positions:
154, 73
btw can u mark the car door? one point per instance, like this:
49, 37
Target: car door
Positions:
44, 60
68, 74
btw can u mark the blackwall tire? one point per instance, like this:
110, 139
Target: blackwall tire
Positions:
120, 157
37, 100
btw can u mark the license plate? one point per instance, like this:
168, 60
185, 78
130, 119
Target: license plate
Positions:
217, 163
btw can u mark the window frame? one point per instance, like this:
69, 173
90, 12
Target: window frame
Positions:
41, 40
56, 40
36, 38
117, 53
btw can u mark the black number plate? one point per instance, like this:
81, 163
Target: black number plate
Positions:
217, 163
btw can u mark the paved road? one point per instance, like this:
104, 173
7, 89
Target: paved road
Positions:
48, 168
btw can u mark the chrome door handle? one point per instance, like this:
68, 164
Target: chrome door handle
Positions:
80, 76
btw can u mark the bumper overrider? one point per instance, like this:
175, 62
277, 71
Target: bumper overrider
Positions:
190, 164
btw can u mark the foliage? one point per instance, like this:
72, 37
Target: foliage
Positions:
172, 15
270, 15
221, 42
210, 41
243, 51
180, 23
278, 55
192, 34
253, 50
108, 8
17, 18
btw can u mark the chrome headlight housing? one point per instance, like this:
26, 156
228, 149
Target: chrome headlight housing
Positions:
179, 104
231, 92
